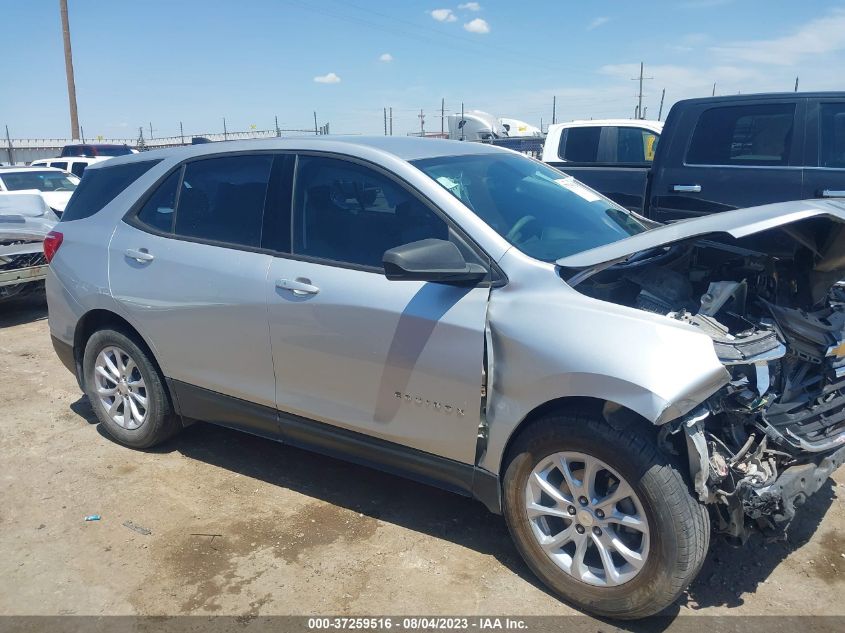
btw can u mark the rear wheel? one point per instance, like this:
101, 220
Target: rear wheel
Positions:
126, 391
602, 517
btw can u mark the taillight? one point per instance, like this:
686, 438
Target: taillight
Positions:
51, 244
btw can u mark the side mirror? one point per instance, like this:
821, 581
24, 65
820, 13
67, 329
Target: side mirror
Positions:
430, 260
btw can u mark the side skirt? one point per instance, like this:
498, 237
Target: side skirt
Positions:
196, 403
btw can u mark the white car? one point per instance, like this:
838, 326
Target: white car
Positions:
602, 141
75, 165
56, 186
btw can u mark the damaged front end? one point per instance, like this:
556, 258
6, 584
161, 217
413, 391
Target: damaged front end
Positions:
773, 306
25, 219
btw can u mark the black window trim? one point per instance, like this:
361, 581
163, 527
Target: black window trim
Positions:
497, 275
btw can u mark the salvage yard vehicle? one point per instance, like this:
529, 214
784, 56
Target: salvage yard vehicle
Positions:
25, 220
55, 185
474, 319
720, 153
76, 166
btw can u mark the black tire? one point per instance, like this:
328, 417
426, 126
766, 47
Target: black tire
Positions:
678, 523
160, 422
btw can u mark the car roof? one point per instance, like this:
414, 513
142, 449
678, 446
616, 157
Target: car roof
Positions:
764, 96
403, 147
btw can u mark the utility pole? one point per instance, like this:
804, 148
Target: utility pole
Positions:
82, 133
391, 120
660, 111
181, 133
278, 131
463, 121
140, 144
385, 121
151, 130
796, 84
71, 83
9, 146
421, 115
442, 115
713, 94
315, 123
639, 110
225, 131
554, 109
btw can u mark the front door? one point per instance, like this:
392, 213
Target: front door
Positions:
396, 360
740, 155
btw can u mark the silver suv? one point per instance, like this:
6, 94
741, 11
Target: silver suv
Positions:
471, 318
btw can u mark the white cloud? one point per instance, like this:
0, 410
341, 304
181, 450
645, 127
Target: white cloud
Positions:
443, 15
477, 26
385, 57
601, 21
817, 37
329, 78
470, 6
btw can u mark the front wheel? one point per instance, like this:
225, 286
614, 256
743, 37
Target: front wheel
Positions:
602, 517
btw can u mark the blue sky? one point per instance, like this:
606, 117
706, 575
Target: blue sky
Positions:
197, 61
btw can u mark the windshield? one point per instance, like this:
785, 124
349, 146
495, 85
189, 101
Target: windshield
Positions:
541, 211
40, 180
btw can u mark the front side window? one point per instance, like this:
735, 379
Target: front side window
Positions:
349, 213
743, 135
222, 199
61, 165
40, 180
832, 135
538, 209
580, 144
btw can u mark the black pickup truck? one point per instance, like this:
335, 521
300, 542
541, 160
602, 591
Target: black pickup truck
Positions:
714, 154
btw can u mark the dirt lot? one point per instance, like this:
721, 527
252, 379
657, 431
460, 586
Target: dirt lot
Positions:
245, 526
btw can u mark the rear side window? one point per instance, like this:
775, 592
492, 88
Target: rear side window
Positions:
743, 135
78, 169
61, 165
832, 135
222, 199
580, 144
101, 186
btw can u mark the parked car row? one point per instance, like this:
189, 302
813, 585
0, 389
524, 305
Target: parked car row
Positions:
475, 319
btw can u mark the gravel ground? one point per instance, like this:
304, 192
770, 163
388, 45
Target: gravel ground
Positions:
244, 526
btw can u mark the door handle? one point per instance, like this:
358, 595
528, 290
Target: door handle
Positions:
687, 188
299, 286
833, 193
139, 255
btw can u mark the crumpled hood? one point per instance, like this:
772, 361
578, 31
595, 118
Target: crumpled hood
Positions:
25, 216
57, 199
738, 224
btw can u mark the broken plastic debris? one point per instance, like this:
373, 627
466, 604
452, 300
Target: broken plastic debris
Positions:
92, 517
138, 528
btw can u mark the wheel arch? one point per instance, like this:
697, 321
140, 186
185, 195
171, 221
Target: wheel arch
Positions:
99, 319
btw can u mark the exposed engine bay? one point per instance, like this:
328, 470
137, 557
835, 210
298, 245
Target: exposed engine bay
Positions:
774, 306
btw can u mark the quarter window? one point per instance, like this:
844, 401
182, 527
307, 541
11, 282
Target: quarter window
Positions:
222, 199
158, 210
832, 136
350, 213
743, 135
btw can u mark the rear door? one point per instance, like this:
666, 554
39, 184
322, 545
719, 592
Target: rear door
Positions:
824, 176
188, 271
723, 157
